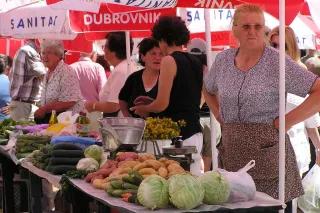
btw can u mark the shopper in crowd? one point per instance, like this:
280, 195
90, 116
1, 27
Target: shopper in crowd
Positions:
115, 54
142, 86
313, 63
242, 88
4, 87
197, 47
91, 76
26, 78
310, 54
300, 133
180, 84
61, 89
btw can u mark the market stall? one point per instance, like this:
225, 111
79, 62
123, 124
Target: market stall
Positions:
261, 200
79, 189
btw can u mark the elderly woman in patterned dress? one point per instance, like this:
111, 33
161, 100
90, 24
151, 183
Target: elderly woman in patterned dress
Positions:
242, 89
61, 87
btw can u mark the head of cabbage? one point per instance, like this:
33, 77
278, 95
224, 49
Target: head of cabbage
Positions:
216, 186
153, 192
185, 191
94, 151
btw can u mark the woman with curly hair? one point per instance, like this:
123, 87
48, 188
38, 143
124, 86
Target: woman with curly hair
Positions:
180, 74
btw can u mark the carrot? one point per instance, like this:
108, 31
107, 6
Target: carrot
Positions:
126, 195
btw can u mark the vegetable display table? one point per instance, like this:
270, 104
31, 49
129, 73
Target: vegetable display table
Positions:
82, 193
261, 201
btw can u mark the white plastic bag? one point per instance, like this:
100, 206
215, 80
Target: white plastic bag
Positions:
241, 183
67, 118
310, 201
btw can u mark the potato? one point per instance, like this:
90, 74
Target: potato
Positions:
163, 159
153, 163
129, 163
163, 172
175, 167
140, 166
115, 172
147, 171
125, 170
99, 183
146, 156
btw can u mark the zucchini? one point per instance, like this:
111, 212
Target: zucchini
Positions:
66, 146
117, 192
33, 137
63, 161
126, 185
68, 153
137, 178
116, 184
109, 190
133, 199
60, 169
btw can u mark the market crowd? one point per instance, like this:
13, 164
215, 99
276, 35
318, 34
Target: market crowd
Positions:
240, 88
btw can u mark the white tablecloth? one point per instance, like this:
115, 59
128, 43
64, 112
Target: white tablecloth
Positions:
260, 200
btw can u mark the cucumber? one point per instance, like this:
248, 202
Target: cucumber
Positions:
128, 179
66, 146
34, 137
137, 178
63, 161
126, 185
60, 169
133, 199
117, 192
116, 184
68, 153
109, 190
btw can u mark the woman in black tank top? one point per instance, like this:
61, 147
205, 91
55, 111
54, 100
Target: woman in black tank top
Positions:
180, 84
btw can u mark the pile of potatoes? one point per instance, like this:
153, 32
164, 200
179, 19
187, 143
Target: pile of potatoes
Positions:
146, 164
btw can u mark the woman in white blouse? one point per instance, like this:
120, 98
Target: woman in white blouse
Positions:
61, 90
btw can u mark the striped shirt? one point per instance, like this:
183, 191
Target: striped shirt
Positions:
27, 74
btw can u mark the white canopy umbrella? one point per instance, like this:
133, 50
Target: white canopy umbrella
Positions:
36, 21
12, 4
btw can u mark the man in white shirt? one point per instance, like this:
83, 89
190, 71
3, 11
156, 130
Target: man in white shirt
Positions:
115, 54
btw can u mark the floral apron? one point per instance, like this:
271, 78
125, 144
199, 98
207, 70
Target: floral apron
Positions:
242, 142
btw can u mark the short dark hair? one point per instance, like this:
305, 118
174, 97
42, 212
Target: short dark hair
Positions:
3, 63
145, 46
116, 42
172, 30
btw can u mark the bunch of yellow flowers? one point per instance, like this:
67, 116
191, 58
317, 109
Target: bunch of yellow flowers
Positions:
162, 128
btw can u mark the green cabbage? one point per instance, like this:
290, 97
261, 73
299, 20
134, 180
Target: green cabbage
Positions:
87, 164
153, 192
94, 151
216, 186
185, 191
